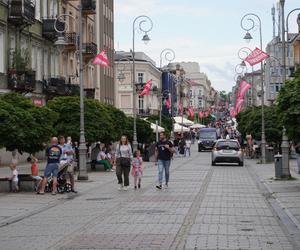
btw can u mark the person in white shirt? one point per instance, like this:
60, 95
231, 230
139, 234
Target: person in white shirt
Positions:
14, 177
187, 148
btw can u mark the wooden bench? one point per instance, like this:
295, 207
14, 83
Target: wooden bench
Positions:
93, 166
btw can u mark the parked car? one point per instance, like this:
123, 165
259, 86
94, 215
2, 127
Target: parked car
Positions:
207, 138
227, 151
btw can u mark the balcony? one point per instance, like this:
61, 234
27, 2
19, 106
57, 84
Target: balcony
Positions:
57, 86
22, 81
48, 28
21, 12
89, 50
71, 42
88, 7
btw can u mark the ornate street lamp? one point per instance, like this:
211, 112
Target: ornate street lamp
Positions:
82, 175
142, 20
247, 24
169, 56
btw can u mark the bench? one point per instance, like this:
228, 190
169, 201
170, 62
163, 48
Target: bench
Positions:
26, 183
92, 166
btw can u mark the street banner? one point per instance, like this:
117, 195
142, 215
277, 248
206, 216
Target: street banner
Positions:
200, 114
232, 112
256, 56
168, 103
238, 105
191, 112
242, 84
101, 59
244, 90
147, 88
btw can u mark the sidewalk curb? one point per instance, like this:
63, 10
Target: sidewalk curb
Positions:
287, 211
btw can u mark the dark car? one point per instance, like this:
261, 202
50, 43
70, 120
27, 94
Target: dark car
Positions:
207, 138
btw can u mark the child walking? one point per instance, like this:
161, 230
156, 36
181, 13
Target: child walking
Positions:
137, 169
14, 177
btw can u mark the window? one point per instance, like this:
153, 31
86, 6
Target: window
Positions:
140, 77
2, 52
199, 103
141, 104
200, 92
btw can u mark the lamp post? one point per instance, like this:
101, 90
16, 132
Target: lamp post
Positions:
282, 2
287, 29
168, 55
242, 54
249, 17
142, 20
82, 175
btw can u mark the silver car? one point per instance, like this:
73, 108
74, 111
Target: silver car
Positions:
227, 151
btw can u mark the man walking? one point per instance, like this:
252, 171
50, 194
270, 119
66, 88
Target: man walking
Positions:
297, 149
163, 152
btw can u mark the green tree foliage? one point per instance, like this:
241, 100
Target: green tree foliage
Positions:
249, 122
24, 127
288, 104
166, 122
103, 122
144, 131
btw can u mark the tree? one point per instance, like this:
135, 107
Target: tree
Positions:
144, 131
249, 122
24, 127
102, 122
288, 104
166, 121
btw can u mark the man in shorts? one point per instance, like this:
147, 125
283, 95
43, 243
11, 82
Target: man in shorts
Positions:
53, 157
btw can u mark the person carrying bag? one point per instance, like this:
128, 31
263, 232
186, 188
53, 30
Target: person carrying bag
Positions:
123, 162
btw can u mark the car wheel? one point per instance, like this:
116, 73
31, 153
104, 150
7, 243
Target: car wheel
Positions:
213, 163
241, 163
199, 149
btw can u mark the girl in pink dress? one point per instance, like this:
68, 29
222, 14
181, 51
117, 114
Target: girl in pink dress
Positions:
137, 170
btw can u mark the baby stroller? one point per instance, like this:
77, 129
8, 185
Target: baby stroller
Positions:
62, 184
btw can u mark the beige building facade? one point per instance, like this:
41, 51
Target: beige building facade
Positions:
145, 70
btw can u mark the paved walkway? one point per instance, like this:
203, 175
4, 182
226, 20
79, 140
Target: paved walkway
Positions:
222, 207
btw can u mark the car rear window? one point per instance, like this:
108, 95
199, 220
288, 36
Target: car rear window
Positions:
227, 145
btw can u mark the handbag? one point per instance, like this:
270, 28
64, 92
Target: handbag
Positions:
123, 161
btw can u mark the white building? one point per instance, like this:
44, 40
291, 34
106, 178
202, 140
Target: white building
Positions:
145, 70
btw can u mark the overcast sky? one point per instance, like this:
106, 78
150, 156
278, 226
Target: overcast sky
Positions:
207, 32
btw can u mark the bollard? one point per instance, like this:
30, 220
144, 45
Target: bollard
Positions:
285, 156
278, 166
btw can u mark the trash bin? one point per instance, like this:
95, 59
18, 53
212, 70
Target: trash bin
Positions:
278, 165
269, 154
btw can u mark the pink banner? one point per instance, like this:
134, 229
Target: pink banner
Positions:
147, 88
200, 114
101, 59
191, 112
256, 56
168, 103
244, 90
238, 105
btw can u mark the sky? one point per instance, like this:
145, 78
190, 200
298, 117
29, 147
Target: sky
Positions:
207, 32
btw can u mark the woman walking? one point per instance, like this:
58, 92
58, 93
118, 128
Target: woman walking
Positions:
123, 160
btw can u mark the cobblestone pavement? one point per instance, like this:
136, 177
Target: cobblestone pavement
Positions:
205, 207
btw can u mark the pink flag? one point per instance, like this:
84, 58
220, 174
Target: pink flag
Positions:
147, 88
232, 112
191, 112
238, 105
244, 90
200, 114
180, 108
101, 59
256, 56
242, 84
168, 103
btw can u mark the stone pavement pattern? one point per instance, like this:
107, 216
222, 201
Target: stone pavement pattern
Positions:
204, 208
